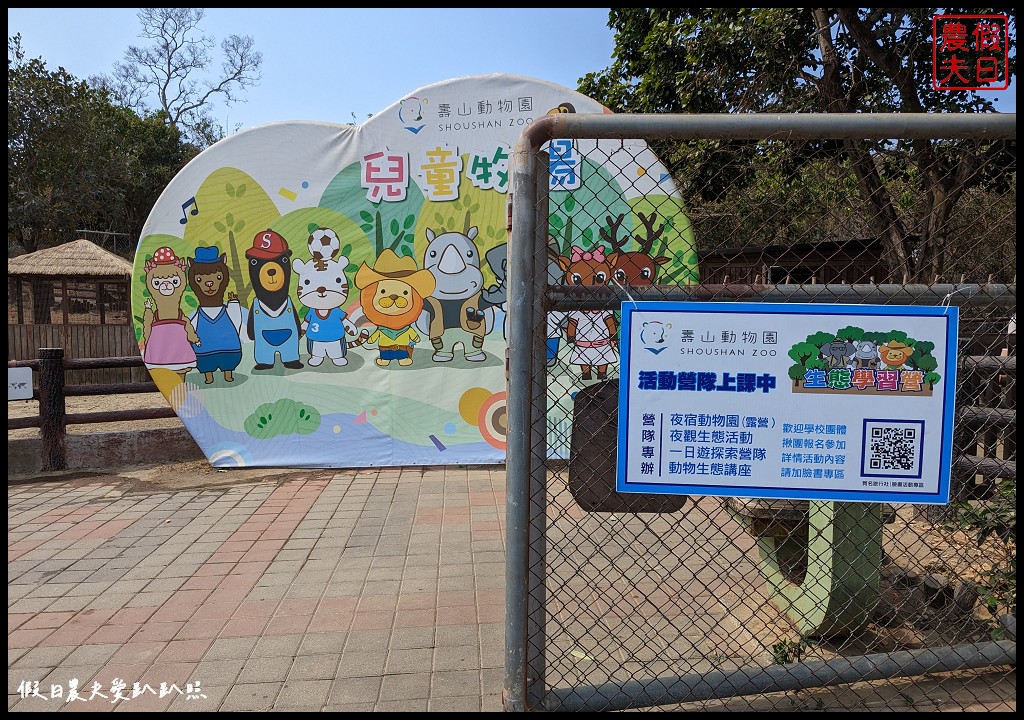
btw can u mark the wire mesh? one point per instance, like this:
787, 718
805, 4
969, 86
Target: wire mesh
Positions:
668, 602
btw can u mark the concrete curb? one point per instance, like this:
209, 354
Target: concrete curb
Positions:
108, 449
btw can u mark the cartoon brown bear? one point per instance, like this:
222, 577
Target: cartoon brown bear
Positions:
217, 323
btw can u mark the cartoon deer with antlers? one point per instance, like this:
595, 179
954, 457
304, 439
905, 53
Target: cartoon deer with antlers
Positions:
591, 333
638, 267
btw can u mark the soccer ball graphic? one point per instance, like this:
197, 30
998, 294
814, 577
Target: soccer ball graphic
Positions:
323, 244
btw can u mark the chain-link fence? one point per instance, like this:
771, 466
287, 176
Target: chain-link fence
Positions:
619, 600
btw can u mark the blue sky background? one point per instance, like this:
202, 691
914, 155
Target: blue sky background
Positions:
334, 64
342, 65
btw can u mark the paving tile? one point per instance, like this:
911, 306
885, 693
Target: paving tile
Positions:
231, 648
189, 650
303, 694
265, 669
356, 690
361, 664
321, 666
251, 697
454, 704
46, 656
376, 590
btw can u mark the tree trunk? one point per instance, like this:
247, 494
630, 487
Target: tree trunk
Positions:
241, 274
884, 221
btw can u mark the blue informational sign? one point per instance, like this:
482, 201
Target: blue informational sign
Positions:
794, 401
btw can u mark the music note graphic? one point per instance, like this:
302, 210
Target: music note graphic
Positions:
184, 207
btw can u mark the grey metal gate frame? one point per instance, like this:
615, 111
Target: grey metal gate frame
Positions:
530, 299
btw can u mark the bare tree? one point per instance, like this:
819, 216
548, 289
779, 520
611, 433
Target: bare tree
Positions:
175, 70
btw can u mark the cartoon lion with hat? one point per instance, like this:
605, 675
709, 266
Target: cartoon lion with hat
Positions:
391, 295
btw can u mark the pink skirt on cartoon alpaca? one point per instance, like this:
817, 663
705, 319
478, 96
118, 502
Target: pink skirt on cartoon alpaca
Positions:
168, 346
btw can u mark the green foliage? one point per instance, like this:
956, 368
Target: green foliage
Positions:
804, 60
802, 352
282, 417
851, 333
562, 227
789, 651
400, 237
818, 339
995, 520
76, 160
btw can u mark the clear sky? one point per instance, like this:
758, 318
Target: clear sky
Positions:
342, 65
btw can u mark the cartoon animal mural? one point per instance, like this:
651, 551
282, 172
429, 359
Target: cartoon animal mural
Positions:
392, 295
556, 318
838, 352
168, 335
273, 323
276, 201
637, 267
218, 324
562, 108
591, 333
497, 294
895, 354
323, 290
454, 311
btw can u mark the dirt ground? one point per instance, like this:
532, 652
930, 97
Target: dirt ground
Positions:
95, 403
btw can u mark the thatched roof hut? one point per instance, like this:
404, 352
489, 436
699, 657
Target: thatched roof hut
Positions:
77, 282
74, 296
78, 259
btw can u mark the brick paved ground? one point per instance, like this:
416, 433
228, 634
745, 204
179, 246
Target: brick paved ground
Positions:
368, 590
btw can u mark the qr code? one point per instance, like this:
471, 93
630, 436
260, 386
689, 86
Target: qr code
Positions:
893, 448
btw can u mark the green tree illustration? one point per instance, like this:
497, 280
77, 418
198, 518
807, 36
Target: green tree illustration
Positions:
230, 227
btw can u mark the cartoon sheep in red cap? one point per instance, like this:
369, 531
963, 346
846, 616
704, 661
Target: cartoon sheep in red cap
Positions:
167, 333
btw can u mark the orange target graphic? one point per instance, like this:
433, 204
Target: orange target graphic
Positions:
493, 420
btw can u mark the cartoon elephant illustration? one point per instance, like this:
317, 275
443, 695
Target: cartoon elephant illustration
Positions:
838, 352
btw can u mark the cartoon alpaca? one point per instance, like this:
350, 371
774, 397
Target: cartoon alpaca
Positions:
591, 333
168, 335
392, 295
323, 288
217, 323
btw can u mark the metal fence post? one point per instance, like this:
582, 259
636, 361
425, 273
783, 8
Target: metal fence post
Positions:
518, 454
51, 408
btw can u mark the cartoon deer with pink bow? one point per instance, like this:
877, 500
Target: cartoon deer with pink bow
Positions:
591, 333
